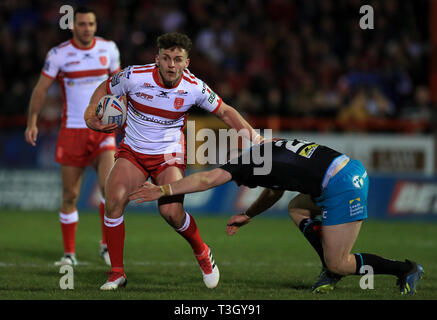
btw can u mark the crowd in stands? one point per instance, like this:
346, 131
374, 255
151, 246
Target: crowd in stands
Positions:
289, 58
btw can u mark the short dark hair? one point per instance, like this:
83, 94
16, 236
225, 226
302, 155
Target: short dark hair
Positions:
174, 40
84, 10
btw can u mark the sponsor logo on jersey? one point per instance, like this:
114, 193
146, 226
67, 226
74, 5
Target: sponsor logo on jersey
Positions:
212, 97
163, 94
308, 151
116, 78
72, 63
355, 207
85, 81
143, 95
87, 56
182, 92
153, 119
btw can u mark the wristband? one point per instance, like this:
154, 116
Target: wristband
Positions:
166, 190
257, 139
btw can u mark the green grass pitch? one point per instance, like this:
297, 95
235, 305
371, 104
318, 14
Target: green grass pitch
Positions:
266, 260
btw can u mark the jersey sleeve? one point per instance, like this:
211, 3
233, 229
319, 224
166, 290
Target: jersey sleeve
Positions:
206, 98
239, 168
120, 83
114, 58
233, 169
52, 64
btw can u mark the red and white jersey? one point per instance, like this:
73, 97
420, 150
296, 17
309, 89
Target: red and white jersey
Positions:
156, 115
80, 72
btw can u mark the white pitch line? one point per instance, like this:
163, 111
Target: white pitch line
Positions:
156, 263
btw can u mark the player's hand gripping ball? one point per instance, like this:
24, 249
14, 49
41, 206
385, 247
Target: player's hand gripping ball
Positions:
113, 110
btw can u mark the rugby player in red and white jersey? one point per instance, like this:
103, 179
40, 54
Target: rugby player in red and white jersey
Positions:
159, 96
79, 65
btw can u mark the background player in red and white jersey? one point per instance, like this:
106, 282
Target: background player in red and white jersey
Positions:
159, 95
80, 65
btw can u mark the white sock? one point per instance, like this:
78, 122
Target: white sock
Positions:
67, 218
113, 222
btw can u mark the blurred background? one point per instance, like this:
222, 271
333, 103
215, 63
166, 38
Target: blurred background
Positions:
303, 68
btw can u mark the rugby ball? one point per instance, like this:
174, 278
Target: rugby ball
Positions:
113, 110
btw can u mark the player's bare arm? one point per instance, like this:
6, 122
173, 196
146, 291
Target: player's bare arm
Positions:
233, 119
265, 201
35, 106
91, 119
196, 182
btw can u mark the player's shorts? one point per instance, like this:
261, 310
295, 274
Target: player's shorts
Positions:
79, 147
152, 164
344, 199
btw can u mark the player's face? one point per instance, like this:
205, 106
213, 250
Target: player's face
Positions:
84, 28
171, 64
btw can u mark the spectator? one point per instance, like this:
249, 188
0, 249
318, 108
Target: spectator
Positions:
288, 55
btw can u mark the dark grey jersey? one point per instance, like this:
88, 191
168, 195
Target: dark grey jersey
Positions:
296, 165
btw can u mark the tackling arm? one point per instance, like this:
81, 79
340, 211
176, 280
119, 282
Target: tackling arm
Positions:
266, 199
196, 182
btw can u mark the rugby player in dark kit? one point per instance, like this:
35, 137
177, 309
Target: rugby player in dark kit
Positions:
330, 184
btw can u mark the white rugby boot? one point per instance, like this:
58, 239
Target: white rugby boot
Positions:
68, 259
210, 271
115, 281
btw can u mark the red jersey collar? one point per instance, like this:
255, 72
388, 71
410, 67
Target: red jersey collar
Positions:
158, 81
77, 46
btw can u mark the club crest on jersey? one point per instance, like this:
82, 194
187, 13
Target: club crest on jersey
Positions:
103, 60
178, 103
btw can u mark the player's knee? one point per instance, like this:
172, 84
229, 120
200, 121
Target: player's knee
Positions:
292, 207
336, 265
174, 214
115, 202
102, 191
69, 197
333, 265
